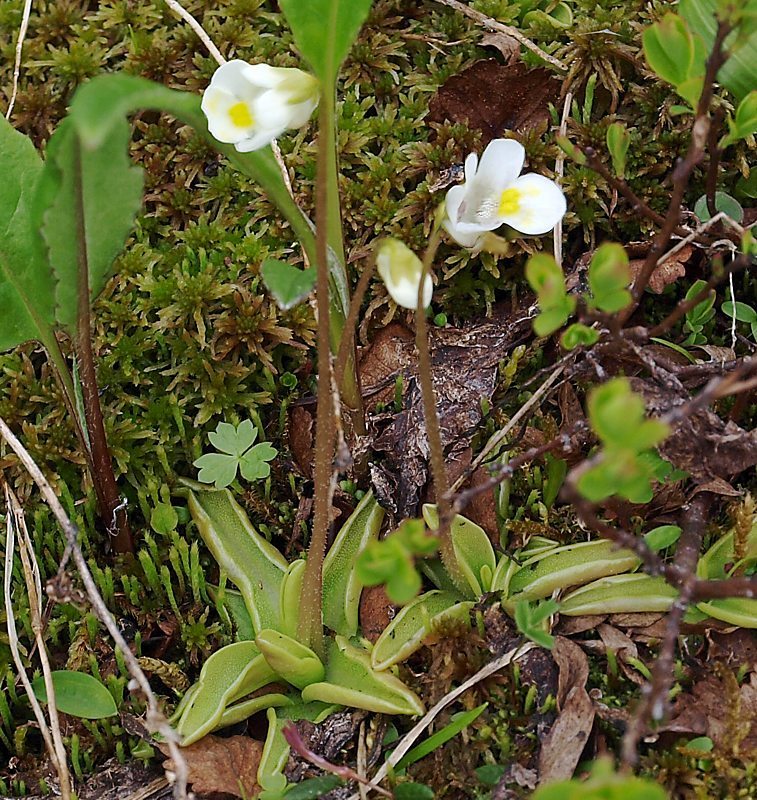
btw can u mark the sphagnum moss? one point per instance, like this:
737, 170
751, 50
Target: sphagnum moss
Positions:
185, 335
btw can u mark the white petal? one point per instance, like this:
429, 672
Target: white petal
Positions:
471, 163
230, 77
215, 105
536, 206
300, 113
259, 139
504, 159
452, 201
463, 238
271, 110
405, 294
264, 75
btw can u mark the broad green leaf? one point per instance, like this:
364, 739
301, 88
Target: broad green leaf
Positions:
570, 565
723, 202
741, 311
341, 582
324, 31
77, 694
253, 564
26, 286
662, 537
289, 285
620, 594
293, 661
351, 681
414, 623
228, 675
86, 203
609, 277
737, 74
618, 141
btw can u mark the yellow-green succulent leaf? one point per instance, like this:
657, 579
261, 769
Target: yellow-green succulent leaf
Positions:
183, 703
291, 597
275, 749
229, 674
252, 563
351, 681
246, 708
571, 565
292, 660
741, 611
506, 568
473, 549
620, 594
719, 563
537, 545
406, 632
341, 586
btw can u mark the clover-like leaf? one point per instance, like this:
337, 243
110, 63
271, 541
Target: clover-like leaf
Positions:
237, 453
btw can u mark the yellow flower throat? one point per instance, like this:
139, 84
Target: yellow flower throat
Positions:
509, 202
240, 115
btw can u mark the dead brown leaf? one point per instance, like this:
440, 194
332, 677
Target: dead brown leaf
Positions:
301, 425
507, 45
669, 271
223, 765
494, 98
563, 745
376, 611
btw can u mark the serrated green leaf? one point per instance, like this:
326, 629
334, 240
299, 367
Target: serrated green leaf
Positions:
324, 31
217, 469
253, 464
233, 440
289, 285
77, 694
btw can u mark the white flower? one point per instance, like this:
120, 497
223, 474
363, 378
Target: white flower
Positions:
401, 271
249, 105
493, 195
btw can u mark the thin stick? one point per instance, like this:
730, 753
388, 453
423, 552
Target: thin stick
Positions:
19, 47
53, 742
493, 25
174, 5
409, 739
559, 172
497, 438
154, 719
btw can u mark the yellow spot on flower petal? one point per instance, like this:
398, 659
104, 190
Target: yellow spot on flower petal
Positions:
240, 115
509, 202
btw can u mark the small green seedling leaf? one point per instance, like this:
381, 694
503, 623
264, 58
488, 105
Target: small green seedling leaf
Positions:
578, 335
570, 150
744, 123
609, 277
77, 694
458, 723
313, 788
662, 537
723, 202
490, 774
618, 142
739, 311
413, 791
237, 452
324, 31
288, 285
546, 279
532, 618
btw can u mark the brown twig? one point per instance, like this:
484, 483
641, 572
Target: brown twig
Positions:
154, 720
714, 152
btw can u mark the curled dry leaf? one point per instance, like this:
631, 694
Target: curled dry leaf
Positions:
223, 765
669, 271
493, 98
